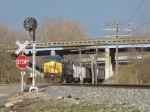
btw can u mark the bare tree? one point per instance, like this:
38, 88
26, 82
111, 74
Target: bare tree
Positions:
8, 70
56, 29
138, 68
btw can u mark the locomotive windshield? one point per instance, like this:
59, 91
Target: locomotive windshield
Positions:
52, 58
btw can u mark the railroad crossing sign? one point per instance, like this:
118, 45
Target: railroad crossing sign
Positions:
22, 47
22, 62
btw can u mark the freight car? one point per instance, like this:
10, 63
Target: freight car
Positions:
86, 74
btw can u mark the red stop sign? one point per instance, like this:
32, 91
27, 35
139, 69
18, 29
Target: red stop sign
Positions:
22, 61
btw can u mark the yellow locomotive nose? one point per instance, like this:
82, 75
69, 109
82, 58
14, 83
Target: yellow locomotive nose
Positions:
53, 65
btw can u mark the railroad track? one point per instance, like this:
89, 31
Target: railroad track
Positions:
131, 86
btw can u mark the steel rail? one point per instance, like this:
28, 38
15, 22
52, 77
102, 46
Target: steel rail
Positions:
131, 86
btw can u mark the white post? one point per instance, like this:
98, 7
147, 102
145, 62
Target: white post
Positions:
107, 59
92, 69
22, 80
33, 70
81, 77
22, 89
33, 65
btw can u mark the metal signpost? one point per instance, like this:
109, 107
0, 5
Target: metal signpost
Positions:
22, 61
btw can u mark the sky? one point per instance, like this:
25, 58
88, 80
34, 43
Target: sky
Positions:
90, 13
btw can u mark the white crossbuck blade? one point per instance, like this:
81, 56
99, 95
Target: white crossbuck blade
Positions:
22, 47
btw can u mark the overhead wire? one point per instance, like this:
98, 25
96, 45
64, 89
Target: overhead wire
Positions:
137, 9
139, 6
145, 22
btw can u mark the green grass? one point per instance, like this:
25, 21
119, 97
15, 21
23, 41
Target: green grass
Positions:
54, 106
9, 84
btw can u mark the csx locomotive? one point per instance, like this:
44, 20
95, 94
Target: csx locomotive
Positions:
58, 70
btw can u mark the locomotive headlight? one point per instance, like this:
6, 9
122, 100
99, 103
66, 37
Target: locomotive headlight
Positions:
52, 66
52, 62
56, 71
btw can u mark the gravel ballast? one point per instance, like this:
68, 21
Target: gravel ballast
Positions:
138, 98
2, 101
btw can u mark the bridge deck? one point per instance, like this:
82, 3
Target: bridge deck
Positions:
85, 43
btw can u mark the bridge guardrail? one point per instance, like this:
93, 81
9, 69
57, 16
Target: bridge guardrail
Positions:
83, 43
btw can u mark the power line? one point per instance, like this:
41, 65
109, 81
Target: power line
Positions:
145, 22
148, 21
139, 6
137, 9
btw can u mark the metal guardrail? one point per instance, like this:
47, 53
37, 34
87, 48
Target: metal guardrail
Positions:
84, 43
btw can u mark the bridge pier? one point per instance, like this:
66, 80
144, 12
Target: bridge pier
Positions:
112, 55
56, 52
53, 52
109, 63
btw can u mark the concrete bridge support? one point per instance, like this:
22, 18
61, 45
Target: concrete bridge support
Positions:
109, 63
112, 62
53, 53
56, 52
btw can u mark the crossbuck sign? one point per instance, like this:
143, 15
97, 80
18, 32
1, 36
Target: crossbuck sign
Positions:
22, 47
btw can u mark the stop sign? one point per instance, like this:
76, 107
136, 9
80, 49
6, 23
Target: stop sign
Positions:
22, 61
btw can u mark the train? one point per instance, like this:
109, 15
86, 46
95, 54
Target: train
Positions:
58, 70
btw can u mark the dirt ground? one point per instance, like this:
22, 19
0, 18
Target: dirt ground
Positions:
35, 102
42, 102
18, 102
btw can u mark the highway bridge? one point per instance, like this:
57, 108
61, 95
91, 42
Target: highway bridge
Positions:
43, 48
123, 41
106, 46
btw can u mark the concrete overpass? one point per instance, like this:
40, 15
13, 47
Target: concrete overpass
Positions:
81, 43
107, 46
44, 48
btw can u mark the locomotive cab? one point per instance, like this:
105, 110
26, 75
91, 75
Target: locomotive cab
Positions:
52, 68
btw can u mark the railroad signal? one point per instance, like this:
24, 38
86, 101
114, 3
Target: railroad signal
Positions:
30, 24
22, 62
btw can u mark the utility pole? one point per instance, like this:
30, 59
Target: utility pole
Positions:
117, 36
117, 63
92, 69
81, 77
96, 66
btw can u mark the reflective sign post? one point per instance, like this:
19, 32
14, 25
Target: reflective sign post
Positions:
22, 61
